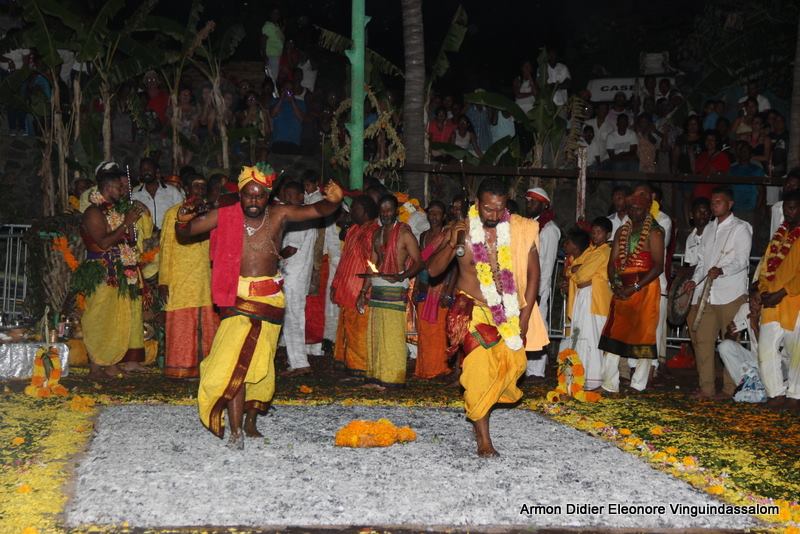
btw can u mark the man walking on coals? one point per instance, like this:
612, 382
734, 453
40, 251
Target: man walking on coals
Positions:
498, 281
239, 372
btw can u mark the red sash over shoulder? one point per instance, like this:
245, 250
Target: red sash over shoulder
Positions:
226, 244
389, 264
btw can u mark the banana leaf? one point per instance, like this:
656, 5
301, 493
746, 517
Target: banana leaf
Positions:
451, 43
95, 37
456, 152
497, 149
11, 90
338, 43
41, 33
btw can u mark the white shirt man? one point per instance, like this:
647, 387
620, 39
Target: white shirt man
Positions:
691, 251
332, 249
617, 222
549, 235
296, 271
739, 360
723, 260
166, 196
595, 151
763, 102
559, 73
621, 143
601, 132
665, 222
776, 218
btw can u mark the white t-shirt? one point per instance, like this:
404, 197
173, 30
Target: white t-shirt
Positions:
620, 143
763, 102
558, 74
526, 103
504, 127
776, 217
603, 130
597, 149
309, 75
166, 196
692, 249
616, 222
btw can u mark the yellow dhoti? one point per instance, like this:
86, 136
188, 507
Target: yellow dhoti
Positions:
490, 371
242, 355
386, 335
112, 327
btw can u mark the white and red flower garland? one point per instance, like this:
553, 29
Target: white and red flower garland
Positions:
503, 303
779, 247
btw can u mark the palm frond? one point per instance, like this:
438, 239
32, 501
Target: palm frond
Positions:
451, 43
338, 43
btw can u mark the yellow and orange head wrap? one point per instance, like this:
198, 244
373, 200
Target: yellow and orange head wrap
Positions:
261, 173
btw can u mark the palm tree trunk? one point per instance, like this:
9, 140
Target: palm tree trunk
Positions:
413, 97
62, 142
105, 94
46, 170
794, 128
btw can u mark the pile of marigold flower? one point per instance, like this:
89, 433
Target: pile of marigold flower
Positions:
380, 433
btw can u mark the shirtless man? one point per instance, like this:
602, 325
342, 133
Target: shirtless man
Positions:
492, 367
396, 253
245, 238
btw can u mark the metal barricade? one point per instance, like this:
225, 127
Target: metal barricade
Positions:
558, 302
14, 280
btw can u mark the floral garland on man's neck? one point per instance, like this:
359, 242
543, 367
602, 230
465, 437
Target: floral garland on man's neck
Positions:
624, 235
503, 303
779, 247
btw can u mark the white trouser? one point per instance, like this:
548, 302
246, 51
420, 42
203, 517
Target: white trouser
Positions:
611, 373
661, 331
537, 367
331, 308
294, 325
586, 330
771, 337
737, 359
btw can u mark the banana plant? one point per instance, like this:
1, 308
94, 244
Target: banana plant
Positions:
212, 52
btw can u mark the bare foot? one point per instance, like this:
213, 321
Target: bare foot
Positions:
487, 452
372, 385
236, 441
300, 371
250, 429
113, 371
776, 403
133, 367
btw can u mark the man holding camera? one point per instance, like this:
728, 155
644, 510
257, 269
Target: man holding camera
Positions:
287, 121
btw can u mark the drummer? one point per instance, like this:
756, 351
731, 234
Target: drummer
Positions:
701, 214
723, 261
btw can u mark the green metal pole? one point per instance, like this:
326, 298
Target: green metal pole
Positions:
356, 124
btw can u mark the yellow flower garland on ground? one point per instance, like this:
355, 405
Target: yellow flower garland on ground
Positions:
570, 369
380, 433
45, 376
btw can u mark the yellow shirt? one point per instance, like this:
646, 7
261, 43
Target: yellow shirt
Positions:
185, 269
592, 267
786, 276
524, 236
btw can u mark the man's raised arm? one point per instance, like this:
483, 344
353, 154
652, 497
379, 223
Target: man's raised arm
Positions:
188, 223
318, 210
440, 260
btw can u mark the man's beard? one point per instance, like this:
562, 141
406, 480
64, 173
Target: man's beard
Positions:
253, 211
490, 224
387, 221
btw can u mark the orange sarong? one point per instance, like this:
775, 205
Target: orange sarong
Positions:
432, 345
190, 333
630, 331
351, 339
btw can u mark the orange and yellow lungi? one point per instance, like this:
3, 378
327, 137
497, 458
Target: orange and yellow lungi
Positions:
190, 334
491, 369
351, 339
432, 344
243, 352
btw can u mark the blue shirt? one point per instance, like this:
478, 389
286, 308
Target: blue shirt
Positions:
286, 127
710, 122
745, 196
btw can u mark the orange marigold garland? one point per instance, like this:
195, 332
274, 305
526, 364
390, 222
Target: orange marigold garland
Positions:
61, 245
779, 247
46, 374
571, 379
380, 433
149, 255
